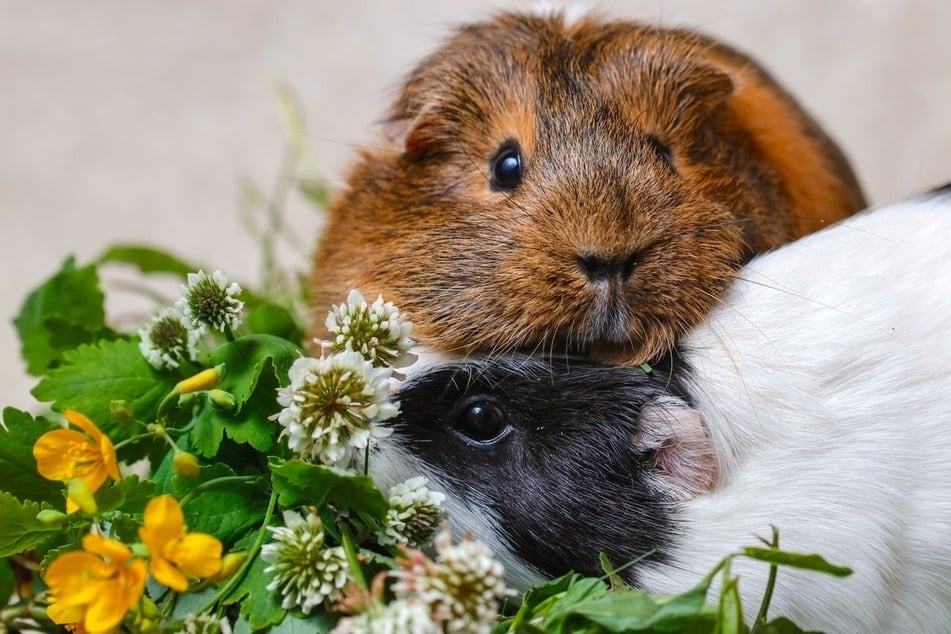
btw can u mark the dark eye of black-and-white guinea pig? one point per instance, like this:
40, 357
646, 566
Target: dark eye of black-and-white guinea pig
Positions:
539, 475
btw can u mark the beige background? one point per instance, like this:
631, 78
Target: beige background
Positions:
135, 121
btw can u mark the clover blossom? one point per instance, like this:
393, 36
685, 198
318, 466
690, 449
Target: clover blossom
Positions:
307, 572
413, 516
168, 340
461, 588
210, 301
396, 617
204, 624
333, 405
377, 330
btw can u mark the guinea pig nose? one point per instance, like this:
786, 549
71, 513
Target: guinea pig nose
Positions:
599, 268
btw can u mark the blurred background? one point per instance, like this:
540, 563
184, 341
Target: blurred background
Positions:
148, 122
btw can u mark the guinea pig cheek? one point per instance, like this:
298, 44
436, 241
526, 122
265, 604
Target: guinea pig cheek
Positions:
678, 448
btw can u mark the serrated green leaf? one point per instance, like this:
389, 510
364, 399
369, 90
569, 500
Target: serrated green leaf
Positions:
128, 495
229, 506
148, 259
208, 431
796, 560
93, 376
250, 425
299, 483
65, 309
17, 464
7, 582
259, 605
20, 530
246, 357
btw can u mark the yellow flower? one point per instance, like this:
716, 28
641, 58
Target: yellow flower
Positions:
174, 552
67, 454
95, 586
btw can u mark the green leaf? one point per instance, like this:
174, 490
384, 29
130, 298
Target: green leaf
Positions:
730, 614
128, 495
93, 376
606, 565
148, 260
208, 432
796, 560
618, 610
299, 483
225, 507
272, 319
245, 358
259, 605
17, 464
584, 589
65, 310
7, 583
20, 530
319, 623
782, 625
677, 612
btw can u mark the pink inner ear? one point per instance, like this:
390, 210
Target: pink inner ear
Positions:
683, 453
410, 134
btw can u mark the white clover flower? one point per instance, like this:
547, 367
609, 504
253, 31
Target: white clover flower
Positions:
168, 340
377, 330
332, 406
210, 301
396, 617
205, 624
462, 587
413, 516
306, 571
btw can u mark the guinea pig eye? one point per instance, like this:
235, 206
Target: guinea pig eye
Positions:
482, 421
661, 150
506, 167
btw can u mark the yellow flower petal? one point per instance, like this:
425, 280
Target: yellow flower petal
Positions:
164, 520
61, 614
72, 577
83, 422
59, 452
99, 545
107, 610
167, 574
196, 554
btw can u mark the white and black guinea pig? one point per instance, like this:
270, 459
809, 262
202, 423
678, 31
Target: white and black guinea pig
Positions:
816, 398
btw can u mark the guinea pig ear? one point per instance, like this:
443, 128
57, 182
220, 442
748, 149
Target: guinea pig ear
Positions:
703, 86
411, 133
673, 435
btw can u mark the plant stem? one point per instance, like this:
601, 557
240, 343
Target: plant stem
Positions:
128, 441
233, 582
350, 549
770, 586
210, 484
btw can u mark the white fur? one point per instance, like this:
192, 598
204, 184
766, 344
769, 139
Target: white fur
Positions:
825, 382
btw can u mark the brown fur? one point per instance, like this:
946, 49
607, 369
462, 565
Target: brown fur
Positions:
476, 268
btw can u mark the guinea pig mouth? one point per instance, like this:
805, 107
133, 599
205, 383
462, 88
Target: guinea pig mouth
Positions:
608, 320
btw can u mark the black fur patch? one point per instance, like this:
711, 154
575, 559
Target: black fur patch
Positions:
563, 477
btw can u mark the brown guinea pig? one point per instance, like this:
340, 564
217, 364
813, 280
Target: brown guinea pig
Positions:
576, 186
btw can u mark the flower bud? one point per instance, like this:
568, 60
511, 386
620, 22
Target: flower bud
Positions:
50, 517
82, 496
204, 380
185, 465
222, 400
121, 410
230, 564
